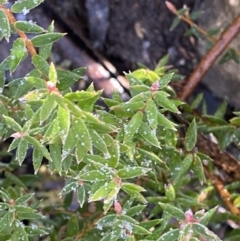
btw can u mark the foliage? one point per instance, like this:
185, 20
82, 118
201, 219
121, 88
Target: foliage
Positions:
133, 173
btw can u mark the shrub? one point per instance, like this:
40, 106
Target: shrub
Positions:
133, 171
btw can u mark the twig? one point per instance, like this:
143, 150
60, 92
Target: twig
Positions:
23, 36
207, 61
88, 227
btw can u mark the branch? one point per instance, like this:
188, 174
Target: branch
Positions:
23, 36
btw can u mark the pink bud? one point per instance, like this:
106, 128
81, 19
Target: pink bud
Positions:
189, 216
155, 86
17, 135
117, 207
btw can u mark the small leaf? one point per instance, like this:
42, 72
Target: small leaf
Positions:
152, 112
25, 5
28, 27
55, 152
5, 26
18, 54
148, 135
206, 218
46, 38
41, 64
19, 232
204, 231
12, 123
36, 82
191, 136
23, 199
133, 126
81, 195
15, 180
197, 167
161, 99
163, 121
72, 226
196, 102
131, 172
63, 117
139, 230
175, 23
52, 76
221, 110
175, 212
95, 175
22, 151
136, 210
98, 141
47, 108
165, 80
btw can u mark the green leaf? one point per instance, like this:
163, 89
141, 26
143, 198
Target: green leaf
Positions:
175, 212
96, 175
15, 180
6, 222
72, 226
152, 113
197, 167
46, 38
23, 199
19, 232
163, 121
161, 99
36, 82
148, 135
63, 117
134, 191
70, 143
5, 197
113, 154
41, 64
18, 54
136, 210
191, 136
46, 50
14, 144
25, 5
28, 27
81, 195
83, 136
70, 186
131, 172
5, 26
47, 108
133, 126
52, 75
21, 151
55, 152
175, 23
66, 79
207, 217
204, 231
98, 142
221, 110
103, 191
12, 124
196, 102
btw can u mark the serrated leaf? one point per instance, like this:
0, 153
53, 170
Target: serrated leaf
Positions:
12, 124
175, 212
148, 135
18, 54
132, 126
55, 152
22, 151
46, 38
47, 108
152, 112
131, 172
41, 64
81, 195
191, 136
5, 26
28, 27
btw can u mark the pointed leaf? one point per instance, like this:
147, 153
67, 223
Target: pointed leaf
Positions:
131, 172
46, 38
191, 136
152, 112
148, 135
81, 195
171, 235
22, 151
12, 123
163, 121
63, 117
5, 26
47, 108
175, 212
41, 64
28, 27
55, 152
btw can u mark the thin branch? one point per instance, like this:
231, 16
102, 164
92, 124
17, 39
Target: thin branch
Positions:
207, 61
23, 36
